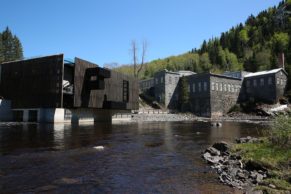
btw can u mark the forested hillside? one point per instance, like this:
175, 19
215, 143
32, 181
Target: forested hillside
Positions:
252, 46
10, 46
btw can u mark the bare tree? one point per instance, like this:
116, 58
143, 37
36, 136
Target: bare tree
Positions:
137, 67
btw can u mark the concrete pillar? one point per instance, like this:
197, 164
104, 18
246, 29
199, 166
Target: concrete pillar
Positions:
25, 115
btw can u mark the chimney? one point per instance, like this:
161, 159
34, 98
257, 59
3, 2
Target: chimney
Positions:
281, 60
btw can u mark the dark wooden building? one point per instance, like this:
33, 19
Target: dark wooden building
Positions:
48, 83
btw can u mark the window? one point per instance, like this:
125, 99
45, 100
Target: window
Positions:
262, 82
162, 80
278, 81
157, 80
255, 83
193, 87
199, 86
232, 88
216, 86
205, 86
228, 85
212, 86
225, 89
125, 91
93, 78
270, 80
220, 87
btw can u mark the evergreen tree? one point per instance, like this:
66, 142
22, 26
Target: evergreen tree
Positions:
18, 51
10, 46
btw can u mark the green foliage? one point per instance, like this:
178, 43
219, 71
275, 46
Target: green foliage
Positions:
235, 108
10, 46
280, 42
280, 134
252, 46
184, 94
274, 153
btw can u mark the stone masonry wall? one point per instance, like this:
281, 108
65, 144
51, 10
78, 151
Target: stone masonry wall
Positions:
224, 94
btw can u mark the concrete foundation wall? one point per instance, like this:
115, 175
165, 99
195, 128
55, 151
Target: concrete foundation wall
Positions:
58, 115
5, 110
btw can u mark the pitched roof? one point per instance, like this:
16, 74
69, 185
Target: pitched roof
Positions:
264, 72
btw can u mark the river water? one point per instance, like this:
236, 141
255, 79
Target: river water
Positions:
147, 157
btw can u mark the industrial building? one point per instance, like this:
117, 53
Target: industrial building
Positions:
53, 89
212, 95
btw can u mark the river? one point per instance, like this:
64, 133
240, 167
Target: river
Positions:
146, 157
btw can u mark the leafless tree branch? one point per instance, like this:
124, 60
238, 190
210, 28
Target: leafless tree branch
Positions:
136, 66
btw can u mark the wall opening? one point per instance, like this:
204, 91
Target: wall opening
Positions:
32, 116
68, 86
18, 115
125, 91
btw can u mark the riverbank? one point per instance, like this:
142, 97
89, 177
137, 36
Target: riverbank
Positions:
145, 117
262, 165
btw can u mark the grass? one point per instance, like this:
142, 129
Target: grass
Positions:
273, 152
274, 158
265, 153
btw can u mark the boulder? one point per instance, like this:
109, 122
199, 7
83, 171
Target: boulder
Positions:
253, 165
213, 151
221, 146
212, 159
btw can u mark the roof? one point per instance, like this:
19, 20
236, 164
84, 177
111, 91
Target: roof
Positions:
265, 72
185, 72
148, 79
31, 58
224, 76
215, 75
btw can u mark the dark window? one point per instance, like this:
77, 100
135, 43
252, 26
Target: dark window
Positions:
32, 115
18, 115
125, 91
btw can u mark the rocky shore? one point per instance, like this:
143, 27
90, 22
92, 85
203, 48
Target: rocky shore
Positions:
232, 170
190, 117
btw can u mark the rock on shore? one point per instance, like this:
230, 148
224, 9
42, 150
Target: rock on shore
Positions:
232, 171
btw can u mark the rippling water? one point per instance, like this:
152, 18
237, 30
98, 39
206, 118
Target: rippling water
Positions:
157, 157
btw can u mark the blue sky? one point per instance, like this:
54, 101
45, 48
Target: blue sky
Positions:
101, 30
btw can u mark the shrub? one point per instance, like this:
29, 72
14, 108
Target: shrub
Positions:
235, 108
280, 133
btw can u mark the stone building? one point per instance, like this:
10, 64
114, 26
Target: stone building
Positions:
166, 86
213, 95
146, 84
264, 86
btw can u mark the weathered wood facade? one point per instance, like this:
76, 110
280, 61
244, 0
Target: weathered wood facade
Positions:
96, 87
33, 83
39, 83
